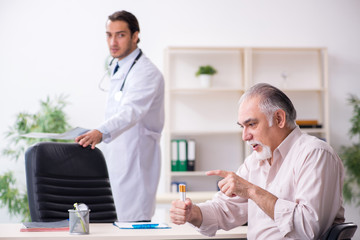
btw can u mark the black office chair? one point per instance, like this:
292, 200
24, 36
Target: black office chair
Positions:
341, 231
61, 174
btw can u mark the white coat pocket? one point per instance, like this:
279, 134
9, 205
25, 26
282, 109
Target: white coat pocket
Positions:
156, 136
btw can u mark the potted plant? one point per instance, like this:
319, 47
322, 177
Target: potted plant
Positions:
205, 74
350, 156
50, 118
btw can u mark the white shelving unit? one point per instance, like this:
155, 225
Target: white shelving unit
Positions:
209, 115
302, 74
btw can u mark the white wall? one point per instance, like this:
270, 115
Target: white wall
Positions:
53, 47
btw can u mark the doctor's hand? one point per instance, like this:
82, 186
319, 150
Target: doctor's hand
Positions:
92, 138
232, 185
182, 212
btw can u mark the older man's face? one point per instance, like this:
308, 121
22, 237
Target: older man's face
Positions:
256, 129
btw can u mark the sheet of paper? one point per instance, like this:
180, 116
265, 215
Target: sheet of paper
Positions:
71, 134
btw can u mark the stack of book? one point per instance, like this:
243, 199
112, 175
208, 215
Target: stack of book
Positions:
57, 226
182, 155
308, 124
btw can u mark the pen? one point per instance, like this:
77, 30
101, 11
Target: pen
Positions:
182, 190
78, 208
145, 226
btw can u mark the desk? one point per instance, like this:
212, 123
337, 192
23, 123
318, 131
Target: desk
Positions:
102, 231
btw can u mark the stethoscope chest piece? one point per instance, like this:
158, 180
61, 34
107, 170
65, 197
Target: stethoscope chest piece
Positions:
118, 96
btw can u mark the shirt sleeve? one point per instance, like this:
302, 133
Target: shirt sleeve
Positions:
223, 212
315, 208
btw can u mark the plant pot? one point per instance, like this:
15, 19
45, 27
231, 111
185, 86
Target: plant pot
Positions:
205, 80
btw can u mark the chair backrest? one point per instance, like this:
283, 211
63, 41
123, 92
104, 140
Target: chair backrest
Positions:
61, 174
341, 231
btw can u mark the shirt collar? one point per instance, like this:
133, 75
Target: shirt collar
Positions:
128, 58
284, 147
289, 141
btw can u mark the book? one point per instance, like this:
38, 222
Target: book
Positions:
174, 155
182, 146
308, 124
175, 186
57, 226
311, 126
191, 155
182, 155
141, 225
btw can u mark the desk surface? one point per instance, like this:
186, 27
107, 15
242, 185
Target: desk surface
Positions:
196, 197
102, 231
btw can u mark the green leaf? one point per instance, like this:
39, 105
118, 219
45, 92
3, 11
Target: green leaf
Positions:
15, 201
206, 70
350, 156
51, 118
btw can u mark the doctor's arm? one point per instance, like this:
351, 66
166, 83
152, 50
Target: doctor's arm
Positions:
92, 138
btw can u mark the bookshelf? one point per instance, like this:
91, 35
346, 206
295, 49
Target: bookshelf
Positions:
302, 74
209, 115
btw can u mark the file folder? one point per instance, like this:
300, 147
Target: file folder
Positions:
174, 155
182, 147
191, 155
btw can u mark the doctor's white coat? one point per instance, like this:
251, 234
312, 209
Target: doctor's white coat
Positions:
132, 130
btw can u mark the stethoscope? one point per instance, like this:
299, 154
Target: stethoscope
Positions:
118, 94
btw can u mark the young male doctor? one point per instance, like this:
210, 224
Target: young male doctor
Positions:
134, 121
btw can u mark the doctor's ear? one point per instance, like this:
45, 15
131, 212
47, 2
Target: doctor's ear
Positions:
135, 37
280, 118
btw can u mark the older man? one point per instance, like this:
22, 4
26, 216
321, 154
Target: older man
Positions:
290, 187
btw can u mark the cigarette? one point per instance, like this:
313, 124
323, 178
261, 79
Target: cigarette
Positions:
182, 190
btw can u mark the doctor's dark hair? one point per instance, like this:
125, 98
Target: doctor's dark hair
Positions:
127, 17
272, 99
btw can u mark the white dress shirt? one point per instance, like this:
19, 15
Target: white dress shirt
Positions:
306, 176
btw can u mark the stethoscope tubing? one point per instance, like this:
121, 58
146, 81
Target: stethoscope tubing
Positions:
107, 72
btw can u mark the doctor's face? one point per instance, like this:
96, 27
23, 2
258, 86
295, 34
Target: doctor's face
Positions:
120, 41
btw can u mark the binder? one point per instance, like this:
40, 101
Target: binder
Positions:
182, 148
175, 186
174, 155
191, 155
